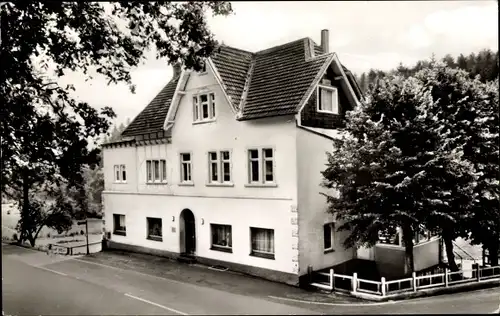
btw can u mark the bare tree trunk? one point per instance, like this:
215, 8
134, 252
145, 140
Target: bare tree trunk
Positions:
25, 209
493, 253
448, 242
408, 240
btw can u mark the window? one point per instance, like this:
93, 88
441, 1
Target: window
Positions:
221, 237
213, 167
203, 68
117, 173
328, 232
204, 107
185, 167
119, 224
219, 164
261, 166
154, 229
120, 173
262, 242
156, 171
328, 100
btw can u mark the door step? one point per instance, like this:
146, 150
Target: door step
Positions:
185, 258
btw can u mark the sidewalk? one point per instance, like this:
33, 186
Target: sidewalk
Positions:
201, 275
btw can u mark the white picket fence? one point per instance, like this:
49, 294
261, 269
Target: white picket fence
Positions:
352, 284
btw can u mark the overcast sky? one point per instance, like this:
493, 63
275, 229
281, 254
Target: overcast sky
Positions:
364, 34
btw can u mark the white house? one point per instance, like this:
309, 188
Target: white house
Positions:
223, 166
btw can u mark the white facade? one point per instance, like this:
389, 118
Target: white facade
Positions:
271, 205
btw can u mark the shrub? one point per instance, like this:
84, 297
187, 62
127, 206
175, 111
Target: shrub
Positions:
82, 232
48, 235
14, 236
71, 234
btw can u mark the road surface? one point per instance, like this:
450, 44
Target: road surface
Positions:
34, 283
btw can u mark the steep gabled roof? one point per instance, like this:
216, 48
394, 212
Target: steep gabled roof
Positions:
151, 119
281, 77
232, 65
267, 83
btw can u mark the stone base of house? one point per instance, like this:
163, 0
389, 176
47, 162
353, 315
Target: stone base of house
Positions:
271, 275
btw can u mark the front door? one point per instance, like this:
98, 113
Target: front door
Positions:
190, 233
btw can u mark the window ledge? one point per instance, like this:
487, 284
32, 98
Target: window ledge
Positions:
222, 249
223, 184
204, 121
261, 185
329, 250
155, 238
328, 112
120, 233
262, 255
186, 184
156, 183
120, 182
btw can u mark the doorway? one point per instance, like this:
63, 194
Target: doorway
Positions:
188, 238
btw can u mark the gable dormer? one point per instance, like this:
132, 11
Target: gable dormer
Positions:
329, 101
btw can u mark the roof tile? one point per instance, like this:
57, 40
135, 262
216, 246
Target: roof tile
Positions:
151, 119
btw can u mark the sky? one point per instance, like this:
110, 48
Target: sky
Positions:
364, 34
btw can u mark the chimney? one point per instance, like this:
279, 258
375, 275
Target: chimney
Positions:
177, 69
325, 41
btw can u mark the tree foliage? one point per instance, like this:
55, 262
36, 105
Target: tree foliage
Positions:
409, 158
46, 132
485, 64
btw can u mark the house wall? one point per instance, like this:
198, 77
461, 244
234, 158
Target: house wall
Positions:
426, 254
241, 214
390, 260
120, 156
238, 205
312, 207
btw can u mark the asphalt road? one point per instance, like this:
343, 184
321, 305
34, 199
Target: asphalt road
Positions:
33, 283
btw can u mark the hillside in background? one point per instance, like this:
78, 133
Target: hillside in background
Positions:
485, 64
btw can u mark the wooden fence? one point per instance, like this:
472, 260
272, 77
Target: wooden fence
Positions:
352, 284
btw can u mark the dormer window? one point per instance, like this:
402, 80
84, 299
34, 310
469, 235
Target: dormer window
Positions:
328, 100
204, 107
203, 68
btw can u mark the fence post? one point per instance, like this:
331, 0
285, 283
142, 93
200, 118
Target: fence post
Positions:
445, 277
354, 282
332, 283
382, 280
414, 277
477, 272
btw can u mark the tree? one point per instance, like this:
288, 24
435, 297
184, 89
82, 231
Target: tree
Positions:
462, 62
49, 206
381, 166
469, 113
44, 130
449, 61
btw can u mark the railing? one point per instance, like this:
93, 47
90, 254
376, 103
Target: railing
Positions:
352, 284
399, 286
73, 250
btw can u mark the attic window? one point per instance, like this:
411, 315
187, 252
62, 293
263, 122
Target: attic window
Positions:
203, 68
204, 107
328, 100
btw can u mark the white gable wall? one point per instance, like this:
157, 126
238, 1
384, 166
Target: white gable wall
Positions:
312, 206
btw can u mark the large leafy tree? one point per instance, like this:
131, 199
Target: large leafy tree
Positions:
44, 130
379, 166
469, 112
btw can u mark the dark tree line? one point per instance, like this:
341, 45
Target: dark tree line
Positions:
484, 64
